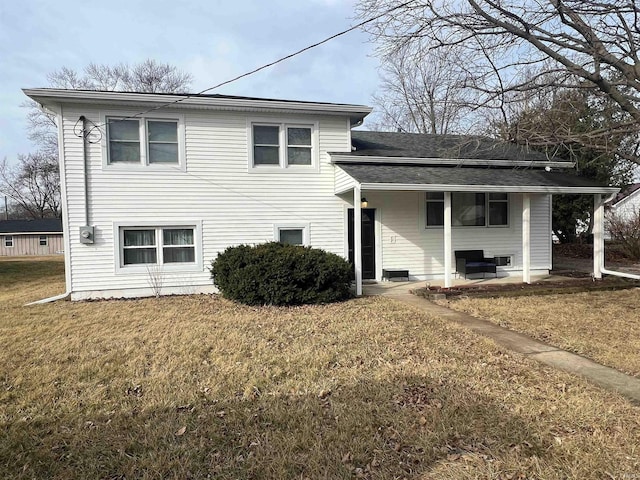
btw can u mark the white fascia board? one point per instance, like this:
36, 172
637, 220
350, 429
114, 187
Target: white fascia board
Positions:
486, 188
46, 96
626, 199
351, 159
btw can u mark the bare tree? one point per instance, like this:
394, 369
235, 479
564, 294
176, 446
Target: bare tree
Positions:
516, 47
33, 184
424, 92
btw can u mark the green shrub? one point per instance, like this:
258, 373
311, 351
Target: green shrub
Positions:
278, 274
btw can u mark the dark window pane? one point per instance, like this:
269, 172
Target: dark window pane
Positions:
498, 213
291, 236
468, 209
435, 196
266, 156
124, 130
163, 153
266, 135
178, 255
134, 256
299, 136
498, 196
177, 236
299, 156
435, 214
124, 152
138, 238
163, 131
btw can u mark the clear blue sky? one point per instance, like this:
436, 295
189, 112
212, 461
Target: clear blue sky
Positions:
213, 40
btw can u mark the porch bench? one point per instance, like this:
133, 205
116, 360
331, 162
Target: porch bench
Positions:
389, 274
474, 261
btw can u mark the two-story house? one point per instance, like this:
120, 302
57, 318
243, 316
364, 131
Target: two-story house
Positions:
156, 185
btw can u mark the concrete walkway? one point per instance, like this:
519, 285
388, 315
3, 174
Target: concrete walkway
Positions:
570, 362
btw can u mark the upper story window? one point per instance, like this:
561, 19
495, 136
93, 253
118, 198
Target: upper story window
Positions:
143, 141
283, 145
469, 209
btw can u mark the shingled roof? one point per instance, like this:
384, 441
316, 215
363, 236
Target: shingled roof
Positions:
420, 145
43, 225
429, 175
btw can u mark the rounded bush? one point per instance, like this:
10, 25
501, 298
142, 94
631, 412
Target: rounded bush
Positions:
278, 274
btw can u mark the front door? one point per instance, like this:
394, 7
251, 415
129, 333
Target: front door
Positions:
368, 242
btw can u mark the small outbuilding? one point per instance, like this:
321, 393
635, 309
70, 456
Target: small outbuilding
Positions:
31, 237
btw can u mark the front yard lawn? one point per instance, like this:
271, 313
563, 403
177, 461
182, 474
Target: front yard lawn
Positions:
199, 387
604, 326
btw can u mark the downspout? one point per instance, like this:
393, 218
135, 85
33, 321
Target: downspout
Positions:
65, 219
84, 169
613, 272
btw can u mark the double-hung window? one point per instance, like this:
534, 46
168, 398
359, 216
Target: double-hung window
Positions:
469, 209
143, 141
8, 241
44, 241
282, 145
157, 245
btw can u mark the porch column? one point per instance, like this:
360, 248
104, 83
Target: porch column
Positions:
447, 240
526, 238
598, 236
357, 237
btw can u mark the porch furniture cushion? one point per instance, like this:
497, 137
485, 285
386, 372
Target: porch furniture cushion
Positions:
389, 274
474, 261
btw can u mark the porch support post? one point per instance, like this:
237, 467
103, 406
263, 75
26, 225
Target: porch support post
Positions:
526, 238
357, 237
447, 240
598, 236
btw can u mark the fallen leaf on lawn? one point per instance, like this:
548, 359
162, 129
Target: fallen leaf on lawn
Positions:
181, 431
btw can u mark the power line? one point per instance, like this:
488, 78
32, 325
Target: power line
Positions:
256, 70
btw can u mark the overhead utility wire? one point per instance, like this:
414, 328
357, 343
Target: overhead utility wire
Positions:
256, 70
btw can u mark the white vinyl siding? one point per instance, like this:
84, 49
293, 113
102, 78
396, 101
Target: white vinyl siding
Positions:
407, 244
233, 205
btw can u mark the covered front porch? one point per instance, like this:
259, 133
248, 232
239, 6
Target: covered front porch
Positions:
419, 221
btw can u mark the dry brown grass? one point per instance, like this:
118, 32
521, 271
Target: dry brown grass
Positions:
198, 387
603, 326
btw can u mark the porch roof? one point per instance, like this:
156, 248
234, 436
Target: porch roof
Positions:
430, 178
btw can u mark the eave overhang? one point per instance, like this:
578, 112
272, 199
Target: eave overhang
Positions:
51, 98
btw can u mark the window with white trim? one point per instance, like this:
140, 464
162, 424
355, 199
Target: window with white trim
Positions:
157, 245
8, 241
469, 209
282, 145
143, 141
292, 234
43, 240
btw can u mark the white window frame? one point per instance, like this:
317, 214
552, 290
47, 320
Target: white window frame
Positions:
283, 165
8, 239
46, 241
486, 208
144, 141
118, 247
426, 211
292, 226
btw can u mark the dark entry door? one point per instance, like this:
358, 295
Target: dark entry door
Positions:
368, 242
